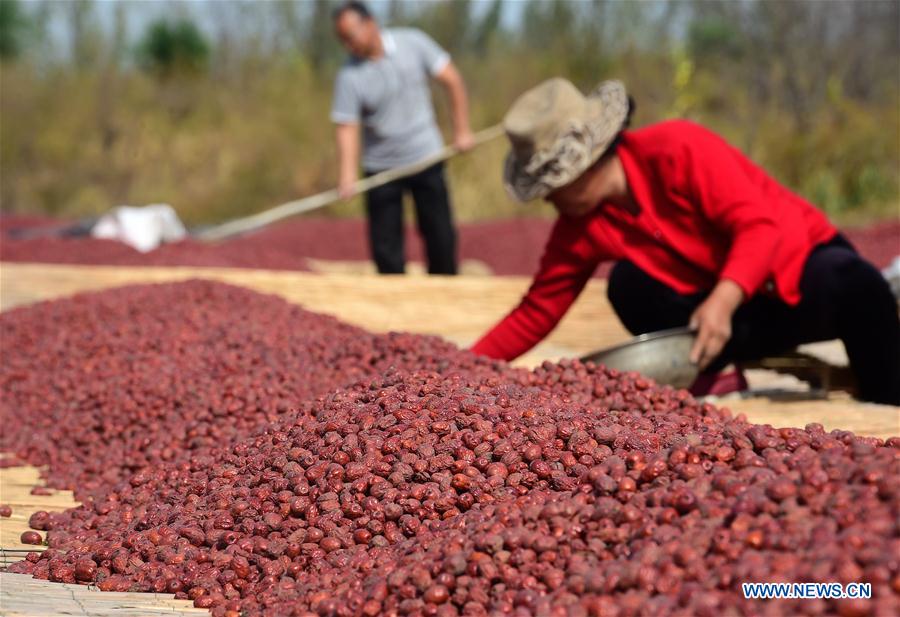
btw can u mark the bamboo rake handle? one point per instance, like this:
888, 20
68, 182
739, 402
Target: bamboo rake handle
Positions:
320, 200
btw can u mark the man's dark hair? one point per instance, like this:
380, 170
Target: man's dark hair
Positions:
354, 6
631, 106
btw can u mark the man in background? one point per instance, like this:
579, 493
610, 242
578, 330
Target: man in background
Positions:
384, 87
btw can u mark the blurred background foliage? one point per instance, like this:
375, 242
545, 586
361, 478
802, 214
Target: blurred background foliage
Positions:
221, 107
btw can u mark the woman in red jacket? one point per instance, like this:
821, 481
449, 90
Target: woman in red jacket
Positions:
701, 236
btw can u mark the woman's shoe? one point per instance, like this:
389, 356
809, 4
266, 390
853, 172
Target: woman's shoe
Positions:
731, 379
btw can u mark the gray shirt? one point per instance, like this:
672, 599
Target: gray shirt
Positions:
390, 98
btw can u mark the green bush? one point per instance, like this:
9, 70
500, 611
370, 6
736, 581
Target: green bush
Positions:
171, 47
13, 27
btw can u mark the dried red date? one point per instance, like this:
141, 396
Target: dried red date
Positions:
31, 537
38, 520
85, 570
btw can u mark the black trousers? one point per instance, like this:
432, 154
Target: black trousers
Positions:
384, 206
843, 296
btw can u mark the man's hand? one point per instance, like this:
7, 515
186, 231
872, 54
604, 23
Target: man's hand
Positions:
346, 186
712, 320
464, 140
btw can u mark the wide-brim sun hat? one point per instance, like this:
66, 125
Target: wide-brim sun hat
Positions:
556, 133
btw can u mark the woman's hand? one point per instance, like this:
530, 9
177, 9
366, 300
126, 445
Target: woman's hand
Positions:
712, 320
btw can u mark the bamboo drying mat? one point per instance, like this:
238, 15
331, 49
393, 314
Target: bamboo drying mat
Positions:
457, 308
23, 596
838, 412
15, 491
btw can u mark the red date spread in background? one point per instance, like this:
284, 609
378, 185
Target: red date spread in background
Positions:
507, 247
263, 460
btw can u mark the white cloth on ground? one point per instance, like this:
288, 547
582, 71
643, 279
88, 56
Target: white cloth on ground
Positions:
142, 228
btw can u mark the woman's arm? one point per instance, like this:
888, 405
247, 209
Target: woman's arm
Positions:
720, 183
718, 178
568, 262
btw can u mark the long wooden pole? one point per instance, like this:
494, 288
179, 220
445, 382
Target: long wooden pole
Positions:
320, 200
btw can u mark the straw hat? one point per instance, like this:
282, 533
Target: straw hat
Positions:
556, 133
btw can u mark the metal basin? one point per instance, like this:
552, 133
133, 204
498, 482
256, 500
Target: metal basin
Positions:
662, 356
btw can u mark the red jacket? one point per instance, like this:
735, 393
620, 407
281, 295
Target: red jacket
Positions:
706, 213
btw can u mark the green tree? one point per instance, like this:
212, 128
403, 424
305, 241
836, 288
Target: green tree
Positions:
13, 27
171, 47
714, 37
